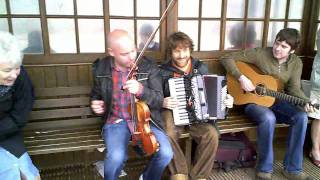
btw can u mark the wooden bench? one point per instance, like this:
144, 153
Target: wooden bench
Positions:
62, 121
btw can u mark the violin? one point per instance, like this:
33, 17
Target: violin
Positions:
139, 110
142, 135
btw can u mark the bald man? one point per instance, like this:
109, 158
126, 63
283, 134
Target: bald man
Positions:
110, 97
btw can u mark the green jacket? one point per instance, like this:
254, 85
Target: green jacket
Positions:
289, 72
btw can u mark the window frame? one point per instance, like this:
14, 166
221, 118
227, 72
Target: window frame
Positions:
309, 19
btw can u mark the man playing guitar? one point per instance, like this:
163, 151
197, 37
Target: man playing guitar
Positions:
280, 62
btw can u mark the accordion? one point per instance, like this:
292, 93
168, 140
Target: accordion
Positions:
200, 98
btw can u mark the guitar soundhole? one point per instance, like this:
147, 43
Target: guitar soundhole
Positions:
260, 90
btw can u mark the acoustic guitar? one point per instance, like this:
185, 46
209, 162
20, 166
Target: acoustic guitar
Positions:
267, 88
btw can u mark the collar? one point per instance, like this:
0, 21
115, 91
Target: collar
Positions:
113, 67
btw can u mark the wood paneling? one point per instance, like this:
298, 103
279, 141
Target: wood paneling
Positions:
60, 75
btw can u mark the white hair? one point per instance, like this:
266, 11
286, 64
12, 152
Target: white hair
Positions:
10, 49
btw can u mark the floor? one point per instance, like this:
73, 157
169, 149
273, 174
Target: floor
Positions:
134, 167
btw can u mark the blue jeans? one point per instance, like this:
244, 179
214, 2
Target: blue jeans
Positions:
116, 139
11, 166
266, 118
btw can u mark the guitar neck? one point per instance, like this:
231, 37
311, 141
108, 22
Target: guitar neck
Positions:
286, 97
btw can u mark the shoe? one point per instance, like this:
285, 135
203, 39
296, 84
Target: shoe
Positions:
263, 176
298, 176
313, 160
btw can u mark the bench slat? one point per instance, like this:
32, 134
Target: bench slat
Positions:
62, 91
72, 146
60, 113
63, 140
60, 135
61, 102
63, 124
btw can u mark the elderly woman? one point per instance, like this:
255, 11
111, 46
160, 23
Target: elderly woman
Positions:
16, 99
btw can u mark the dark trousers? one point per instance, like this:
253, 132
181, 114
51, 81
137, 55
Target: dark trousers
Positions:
205, 135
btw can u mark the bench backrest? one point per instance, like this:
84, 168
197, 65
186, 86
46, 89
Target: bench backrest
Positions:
62, 107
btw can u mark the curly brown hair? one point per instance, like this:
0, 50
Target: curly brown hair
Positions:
177, 39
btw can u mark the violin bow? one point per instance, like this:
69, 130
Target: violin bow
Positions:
164, 15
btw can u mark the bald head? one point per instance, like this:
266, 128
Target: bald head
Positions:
121, 47
118, 37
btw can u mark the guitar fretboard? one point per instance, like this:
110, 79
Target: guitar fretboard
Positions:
284, 97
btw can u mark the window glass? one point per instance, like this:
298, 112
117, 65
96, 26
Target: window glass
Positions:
4, 24
296, 9
190, 27
62, 36
125, 24
234, 35
121, 7
148, 8
210, 35
295, 25
188, 8
211, 8
274, 28
145, 28
92, 7
91, 35
28, 30
59, 7
24, 6
235, 9
256, 8
254, 34
3, 8
278, 9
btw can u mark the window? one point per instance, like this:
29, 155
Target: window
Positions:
75, 26
284, 13
22, 17
139, 18
73, 31
230, 25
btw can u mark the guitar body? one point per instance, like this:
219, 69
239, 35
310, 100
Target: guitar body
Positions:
242, 97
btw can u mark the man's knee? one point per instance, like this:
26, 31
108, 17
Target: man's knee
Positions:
300, 118
266, 119
116, 157
166, 153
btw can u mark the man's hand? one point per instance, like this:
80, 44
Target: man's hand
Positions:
170, 103
246, 84
309, 108
133, 86
228, 101
97, 106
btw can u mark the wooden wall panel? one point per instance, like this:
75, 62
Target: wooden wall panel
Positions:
72, 72
50, 77
37, 76
84, 75
90, 75
214, 66
62, 76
